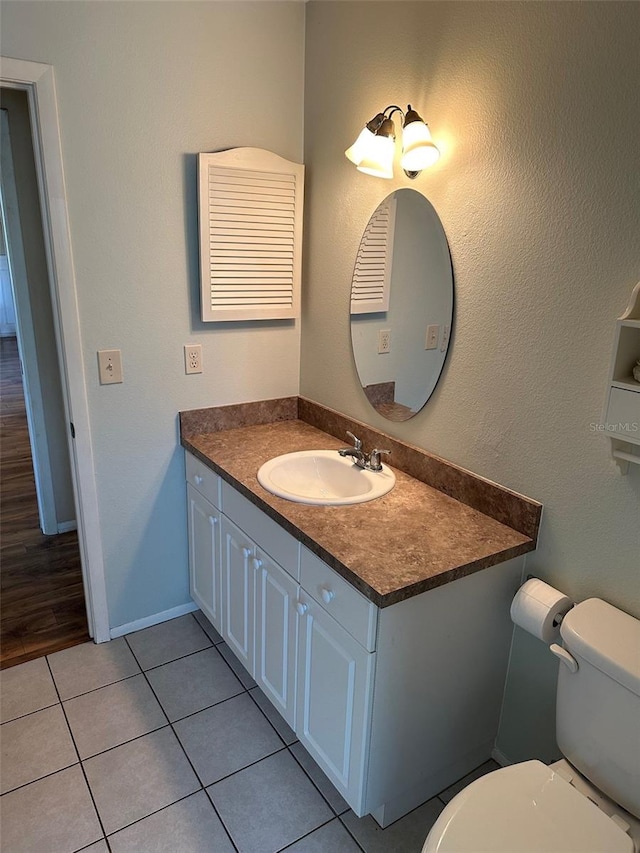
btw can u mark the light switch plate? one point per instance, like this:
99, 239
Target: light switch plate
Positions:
110, 366
431, 341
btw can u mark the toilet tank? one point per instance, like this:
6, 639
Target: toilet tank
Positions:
598, 707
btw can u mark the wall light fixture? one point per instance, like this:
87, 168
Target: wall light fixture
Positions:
373, 150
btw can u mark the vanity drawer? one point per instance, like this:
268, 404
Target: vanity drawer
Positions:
268, 535
206, 481
623, 415
350, 608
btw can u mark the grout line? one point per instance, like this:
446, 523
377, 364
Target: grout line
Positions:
222, 823
151, 814
351, 835
306, 835
73, 740
173, 660
310, 778
30, 713
102, 686
264, 714
40, 778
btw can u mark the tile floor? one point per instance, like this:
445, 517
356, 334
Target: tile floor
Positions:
160, 741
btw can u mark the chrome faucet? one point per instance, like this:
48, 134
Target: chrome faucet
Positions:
371, 462
374, 459
356, 451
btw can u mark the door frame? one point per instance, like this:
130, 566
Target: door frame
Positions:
25, 334
37, 80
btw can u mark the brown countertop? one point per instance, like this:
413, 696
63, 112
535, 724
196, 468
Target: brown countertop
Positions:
411, 540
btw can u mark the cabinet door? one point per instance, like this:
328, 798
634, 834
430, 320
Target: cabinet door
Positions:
276, 635
238, 591
204, 556
335, 687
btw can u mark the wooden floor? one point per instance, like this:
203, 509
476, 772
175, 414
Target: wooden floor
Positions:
42, 605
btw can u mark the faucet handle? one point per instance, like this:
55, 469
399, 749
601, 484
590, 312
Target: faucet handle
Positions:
356, 441
374, 459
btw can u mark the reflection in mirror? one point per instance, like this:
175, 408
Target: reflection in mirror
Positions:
401, 304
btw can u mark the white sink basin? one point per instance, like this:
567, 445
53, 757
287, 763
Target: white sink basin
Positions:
323, 477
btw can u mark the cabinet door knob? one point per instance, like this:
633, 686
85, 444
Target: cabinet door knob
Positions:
213, 520
246, 553
301, 607
327, 595
198, 480
257, 563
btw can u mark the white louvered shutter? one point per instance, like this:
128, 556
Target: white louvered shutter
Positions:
371, 285
250, 204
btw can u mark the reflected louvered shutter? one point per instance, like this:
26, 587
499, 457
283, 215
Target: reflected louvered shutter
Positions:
371, 285
250, 235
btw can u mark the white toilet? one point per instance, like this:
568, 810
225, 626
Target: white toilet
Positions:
590, 802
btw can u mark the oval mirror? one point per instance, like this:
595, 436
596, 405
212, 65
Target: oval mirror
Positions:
401, 304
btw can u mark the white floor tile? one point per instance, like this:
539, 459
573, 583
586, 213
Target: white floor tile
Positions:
53, 814
269, 805
26, 688
193, 683
33, 747
226, 738
190, 826
112, 715
91, 665
138, 778
167, 641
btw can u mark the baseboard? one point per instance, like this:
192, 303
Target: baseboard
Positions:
148, 621
501, 758
67, 526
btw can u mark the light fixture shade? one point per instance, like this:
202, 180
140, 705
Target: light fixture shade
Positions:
358, 150
379, 158
418, 149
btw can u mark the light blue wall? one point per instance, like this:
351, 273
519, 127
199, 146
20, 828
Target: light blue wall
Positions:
535, 109
142, 87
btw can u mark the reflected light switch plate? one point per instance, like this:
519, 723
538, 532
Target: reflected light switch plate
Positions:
110, 366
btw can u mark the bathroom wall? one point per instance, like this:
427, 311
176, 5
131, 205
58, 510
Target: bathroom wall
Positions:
142, 87
535, 109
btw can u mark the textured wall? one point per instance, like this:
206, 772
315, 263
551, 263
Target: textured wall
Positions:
535, 108
142, 87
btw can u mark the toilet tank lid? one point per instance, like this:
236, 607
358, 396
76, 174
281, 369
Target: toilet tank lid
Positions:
606, 638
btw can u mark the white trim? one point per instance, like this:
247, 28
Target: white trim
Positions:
67, 526
38, 81
156, 619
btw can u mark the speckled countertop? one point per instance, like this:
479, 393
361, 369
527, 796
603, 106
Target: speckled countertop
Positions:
411, 540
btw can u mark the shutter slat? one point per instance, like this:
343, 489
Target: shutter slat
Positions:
372, 273
250, 232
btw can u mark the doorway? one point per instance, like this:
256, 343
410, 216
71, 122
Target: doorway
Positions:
42, 606
37, 81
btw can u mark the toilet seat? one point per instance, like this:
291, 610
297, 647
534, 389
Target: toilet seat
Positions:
524, 808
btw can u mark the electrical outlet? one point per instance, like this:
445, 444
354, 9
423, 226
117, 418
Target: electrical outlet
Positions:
384, 340
445, 338
192, 358
110, 366
433, 333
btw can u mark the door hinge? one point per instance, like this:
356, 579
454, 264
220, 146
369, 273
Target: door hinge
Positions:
73, 429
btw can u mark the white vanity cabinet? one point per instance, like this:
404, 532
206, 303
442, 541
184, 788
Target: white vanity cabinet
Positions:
204, 520
393, 703
238, 592
276, 635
